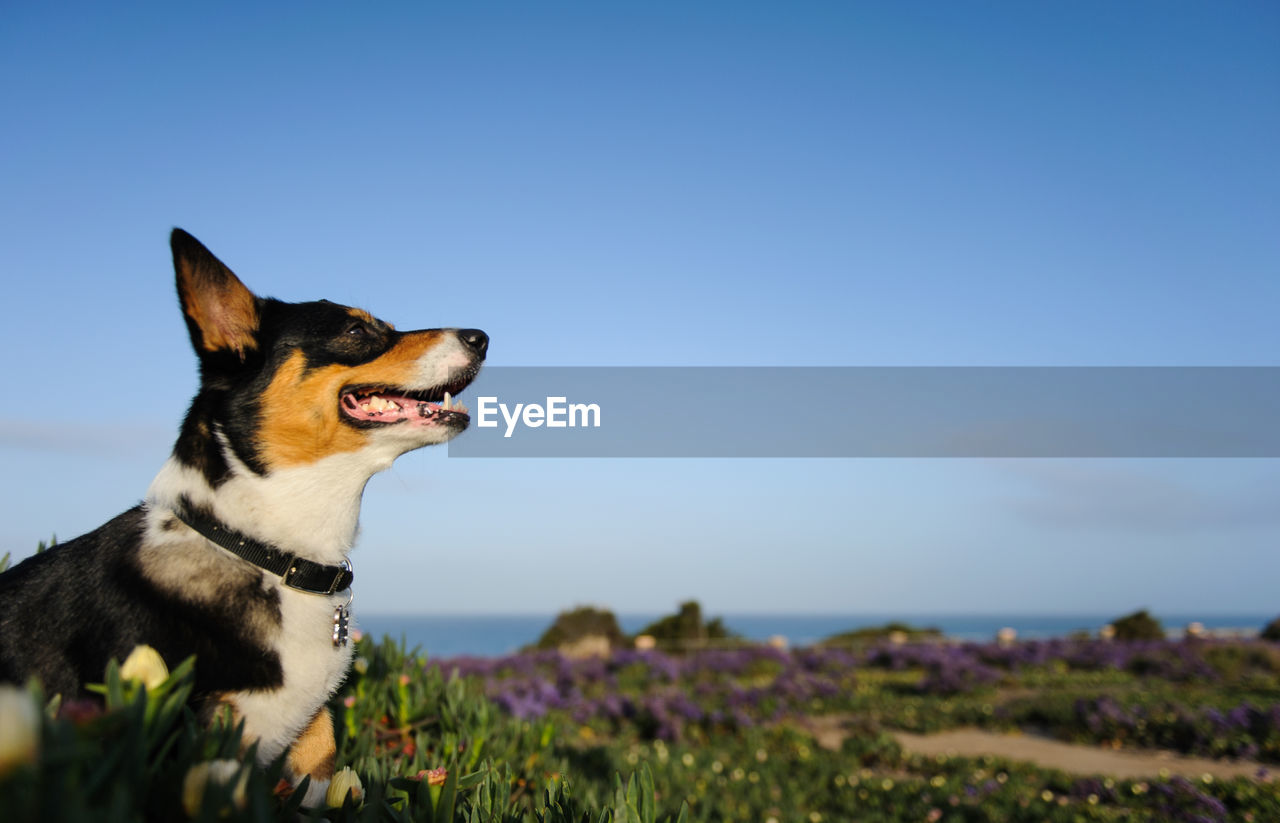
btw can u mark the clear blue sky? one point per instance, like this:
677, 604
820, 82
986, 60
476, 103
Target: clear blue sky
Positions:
977, 183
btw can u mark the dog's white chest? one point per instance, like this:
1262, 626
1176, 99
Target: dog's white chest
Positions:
313, 666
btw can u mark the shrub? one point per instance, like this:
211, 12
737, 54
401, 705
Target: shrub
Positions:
1138, 626
875, 634
1271, 631
686, 628
578, 624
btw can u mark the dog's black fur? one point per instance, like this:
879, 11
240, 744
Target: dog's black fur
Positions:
72, 608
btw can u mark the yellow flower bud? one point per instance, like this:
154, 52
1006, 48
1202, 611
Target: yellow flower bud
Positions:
221, 772
19, 728
145, 665
343, 782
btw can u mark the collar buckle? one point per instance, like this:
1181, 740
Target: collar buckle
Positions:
341, 575
290, 570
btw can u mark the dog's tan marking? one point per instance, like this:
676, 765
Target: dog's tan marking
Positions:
222, 308
361, 314
300, 417
314, 752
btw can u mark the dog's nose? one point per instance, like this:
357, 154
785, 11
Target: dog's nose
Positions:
475, 340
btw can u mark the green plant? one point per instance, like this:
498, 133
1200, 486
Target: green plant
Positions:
686, 628
583, 622
140, 754
40, 547
873, 634
1138, 626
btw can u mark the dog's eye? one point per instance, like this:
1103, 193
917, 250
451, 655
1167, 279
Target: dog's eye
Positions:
357, 331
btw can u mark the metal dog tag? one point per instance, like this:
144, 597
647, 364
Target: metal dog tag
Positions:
341, 617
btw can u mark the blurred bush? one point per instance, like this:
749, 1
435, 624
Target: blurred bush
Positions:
1138, 626
876, 634
686, 629
584, 623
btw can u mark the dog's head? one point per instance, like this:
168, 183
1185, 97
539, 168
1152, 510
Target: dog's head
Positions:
288, 384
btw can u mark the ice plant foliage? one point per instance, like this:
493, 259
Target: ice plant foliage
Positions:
917, 686
646, 737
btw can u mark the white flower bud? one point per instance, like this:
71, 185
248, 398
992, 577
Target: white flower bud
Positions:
145, 665
342, 782
19, 728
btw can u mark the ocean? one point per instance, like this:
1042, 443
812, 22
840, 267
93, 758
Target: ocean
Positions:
496, 635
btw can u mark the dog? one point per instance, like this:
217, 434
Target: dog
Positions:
238, 554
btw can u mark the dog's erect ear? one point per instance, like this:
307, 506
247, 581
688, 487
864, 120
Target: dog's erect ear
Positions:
222, 314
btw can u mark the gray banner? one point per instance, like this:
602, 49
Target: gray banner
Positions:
873, 412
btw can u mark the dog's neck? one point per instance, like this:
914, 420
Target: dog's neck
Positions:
312, 510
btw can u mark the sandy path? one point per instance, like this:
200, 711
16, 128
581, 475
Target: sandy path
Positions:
1068, 757
1074, 758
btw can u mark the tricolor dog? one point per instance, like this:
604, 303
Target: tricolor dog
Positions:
239, 553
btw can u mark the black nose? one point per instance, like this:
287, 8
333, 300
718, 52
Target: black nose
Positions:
475, 340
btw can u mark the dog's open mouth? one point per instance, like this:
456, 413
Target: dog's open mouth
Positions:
387, 405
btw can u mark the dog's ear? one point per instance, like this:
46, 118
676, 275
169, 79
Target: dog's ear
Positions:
222, 314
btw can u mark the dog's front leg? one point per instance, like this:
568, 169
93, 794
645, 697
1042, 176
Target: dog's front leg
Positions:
313, 754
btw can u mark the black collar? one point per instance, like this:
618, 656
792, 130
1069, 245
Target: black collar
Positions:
295, 572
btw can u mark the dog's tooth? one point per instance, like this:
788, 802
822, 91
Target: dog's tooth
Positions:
365, 406
448, 400
460, 408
